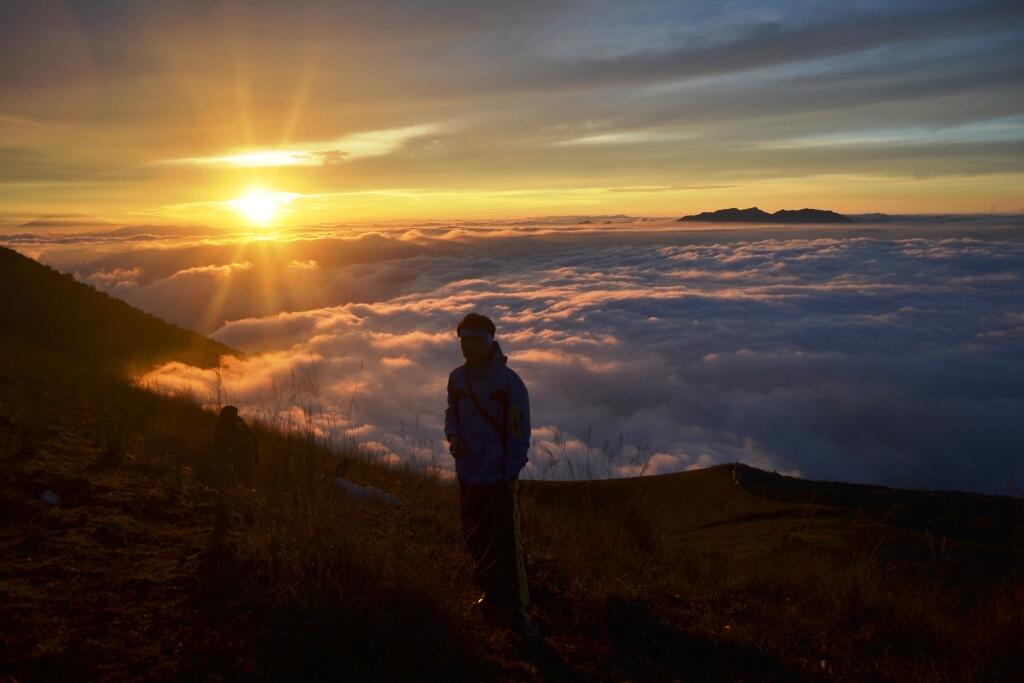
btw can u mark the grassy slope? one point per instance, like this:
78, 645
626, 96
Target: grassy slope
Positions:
713, 575
51, 311
875, 583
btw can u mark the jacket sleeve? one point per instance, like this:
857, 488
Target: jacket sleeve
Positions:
451, 413
518, 426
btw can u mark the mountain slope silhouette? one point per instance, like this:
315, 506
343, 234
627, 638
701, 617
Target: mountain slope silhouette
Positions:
51, 311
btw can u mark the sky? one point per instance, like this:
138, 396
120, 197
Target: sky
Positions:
303, 113
889, 352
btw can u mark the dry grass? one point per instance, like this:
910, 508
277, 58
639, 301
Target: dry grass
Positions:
684, 576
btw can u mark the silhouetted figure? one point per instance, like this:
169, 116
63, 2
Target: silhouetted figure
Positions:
234, 445
487, 424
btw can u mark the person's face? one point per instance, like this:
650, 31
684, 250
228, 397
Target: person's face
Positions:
474, 349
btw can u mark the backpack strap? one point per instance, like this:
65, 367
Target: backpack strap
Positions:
495, 425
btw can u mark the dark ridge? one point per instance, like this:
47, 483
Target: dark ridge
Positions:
60, 220
158, 230
756, 215
751, 215
952, 513
809, 216
51, 311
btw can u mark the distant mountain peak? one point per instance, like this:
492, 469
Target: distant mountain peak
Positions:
65, 221
756, 215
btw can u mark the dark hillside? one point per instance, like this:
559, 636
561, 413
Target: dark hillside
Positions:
147, 570
722, 574
738, 508
857, 582
967, 516
51, 311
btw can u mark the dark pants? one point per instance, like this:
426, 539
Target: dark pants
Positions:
490, 526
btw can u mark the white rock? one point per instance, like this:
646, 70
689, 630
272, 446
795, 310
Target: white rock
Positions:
367, 493
50, 497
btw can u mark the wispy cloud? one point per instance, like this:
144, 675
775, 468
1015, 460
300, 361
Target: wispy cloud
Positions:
1008, 129
354, 146
628, 137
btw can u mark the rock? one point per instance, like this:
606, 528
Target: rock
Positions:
50, 497
367, 493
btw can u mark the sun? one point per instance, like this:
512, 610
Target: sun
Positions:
261, 206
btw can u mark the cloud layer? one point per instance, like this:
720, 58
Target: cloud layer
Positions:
889, 353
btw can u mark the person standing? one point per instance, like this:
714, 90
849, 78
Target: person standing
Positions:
487, 425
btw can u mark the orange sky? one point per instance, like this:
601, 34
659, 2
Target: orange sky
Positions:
326, 112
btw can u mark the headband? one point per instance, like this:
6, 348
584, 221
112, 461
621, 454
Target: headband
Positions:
474, 332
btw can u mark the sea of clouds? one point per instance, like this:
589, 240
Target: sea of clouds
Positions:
890, 354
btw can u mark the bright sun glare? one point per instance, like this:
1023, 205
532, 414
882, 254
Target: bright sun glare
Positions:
260, 206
